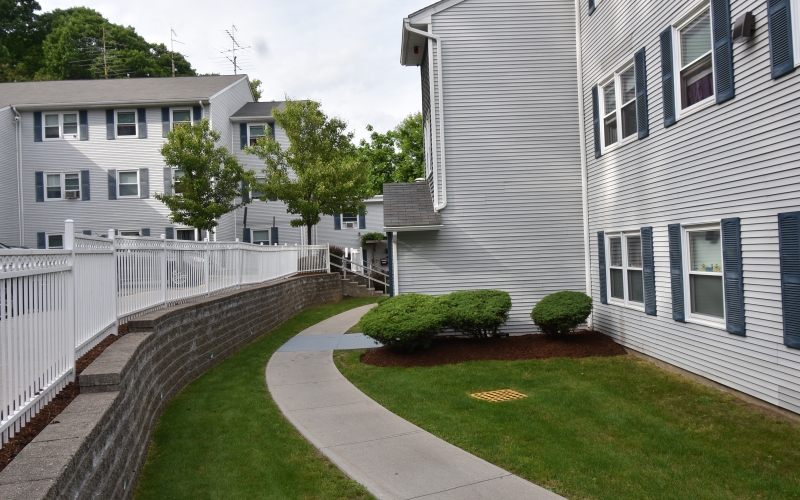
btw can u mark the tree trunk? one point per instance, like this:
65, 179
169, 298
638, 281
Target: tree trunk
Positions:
308, 232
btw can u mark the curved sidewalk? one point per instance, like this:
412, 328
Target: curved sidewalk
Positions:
391, 457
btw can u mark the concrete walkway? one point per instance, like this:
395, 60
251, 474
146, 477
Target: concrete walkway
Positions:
391, 457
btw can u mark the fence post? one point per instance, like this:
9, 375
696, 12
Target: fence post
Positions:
328, 259
238, 264
69, 244
164, 271
115, 278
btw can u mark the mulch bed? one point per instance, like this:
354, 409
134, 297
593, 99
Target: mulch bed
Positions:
450, 350
51, 410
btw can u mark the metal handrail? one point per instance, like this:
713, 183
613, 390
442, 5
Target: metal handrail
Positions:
366, 271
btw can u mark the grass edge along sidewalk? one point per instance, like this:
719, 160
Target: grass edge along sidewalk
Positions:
611, 428
223, 436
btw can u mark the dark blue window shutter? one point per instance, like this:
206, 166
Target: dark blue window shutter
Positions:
169, 232
145, 231
337, 222
112, 184
164, 122
734, 279
245, 192
648, 271
642, 113
168, 181
85, 186
83, 119
591, 7
596, 120
390, 246
246, 236
197, 112
273, 236
110, 133
676, 272
144, 183
87, 232
723, 50
789, 233
362, 221
667, 77
37, 126
142, 119
781, 51
39, 186
272, 130
242, 135
601, 258
41, 241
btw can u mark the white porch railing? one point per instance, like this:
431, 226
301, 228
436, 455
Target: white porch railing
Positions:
55, 305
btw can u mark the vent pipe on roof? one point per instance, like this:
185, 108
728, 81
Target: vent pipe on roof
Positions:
437, 206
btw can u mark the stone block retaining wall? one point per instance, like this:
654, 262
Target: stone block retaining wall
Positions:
99, 446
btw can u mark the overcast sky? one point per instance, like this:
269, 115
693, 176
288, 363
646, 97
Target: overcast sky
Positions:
344, 53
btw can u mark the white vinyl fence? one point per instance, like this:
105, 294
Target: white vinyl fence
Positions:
55, 305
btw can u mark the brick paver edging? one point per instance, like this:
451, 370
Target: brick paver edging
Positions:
99, 446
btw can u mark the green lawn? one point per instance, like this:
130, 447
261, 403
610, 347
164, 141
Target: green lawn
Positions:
224, 437
597, 428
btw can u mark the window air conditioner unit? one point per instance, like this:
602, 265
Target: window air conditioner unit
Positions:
72, 195
350, 225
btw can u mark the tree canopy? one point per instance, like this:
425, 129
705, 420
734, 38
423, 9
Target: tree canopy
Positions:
396, 156
320, 173
210, 178
68, 44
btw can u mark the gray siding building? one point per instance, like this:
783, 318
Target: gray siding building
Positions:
645, 152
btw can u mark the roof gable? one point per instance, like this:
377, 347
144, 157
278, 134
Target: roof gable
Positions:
422, 16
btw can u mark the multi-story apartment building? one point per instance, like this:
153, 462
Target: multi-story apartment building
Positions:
648, 146
90, 151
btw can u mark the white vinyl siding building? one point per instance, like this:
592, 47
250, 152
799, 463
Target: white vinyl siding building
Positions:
9, 196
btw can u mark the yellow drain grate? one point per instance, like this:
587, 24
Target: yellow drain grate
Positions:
499, 396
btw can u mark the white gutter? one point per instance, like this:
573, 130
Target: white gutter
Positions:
405, 229
584, 168
18, 140
437, 206
107, 104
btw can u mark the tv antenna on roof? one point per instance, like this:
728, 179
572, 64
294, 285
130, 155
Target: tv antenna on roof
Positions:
172, 41
236, 45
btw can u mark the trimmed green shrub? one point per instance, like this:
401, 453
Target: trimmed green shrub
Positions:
477, 313
405, 322
561, 312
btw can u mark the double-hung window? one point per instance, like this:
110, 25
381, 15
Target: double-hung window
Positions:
625, 276
60, 186
60, 126
128, 183
185, 234
261, 236
349, 221
254, 133
177, 175
704, 272
55, 241
254, 193
694, 57
181, 115
127, 124
619, 106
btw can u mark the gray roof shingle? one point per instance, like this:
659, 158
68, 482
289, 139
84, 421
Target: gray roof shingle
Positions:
258, 109
409, 205
122, 90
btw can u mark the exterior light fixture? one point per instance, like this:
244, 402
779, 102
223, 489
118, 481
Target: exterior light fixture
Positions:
416, 49
744, 28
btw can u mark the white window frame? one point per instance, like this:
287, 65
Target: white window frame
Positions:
61, 136
137, 231
47, 241
175, 178
677, 66
138, 183
796, 31
194, 232
180, 108
355, 222
690, 317
623, 234
63, 185
116, 123
615, 77
266, 130
269, 236
259, 178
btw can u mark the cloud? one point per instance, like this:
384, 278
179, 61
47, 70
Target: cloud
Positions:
344, 53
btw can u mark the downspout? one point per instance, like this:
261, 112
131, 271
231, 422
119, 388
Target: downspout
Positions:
18, 123
407, 25
584, 168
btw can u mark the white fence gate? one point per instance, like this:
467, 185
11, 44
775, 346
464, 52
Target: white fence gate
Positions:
55, 305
